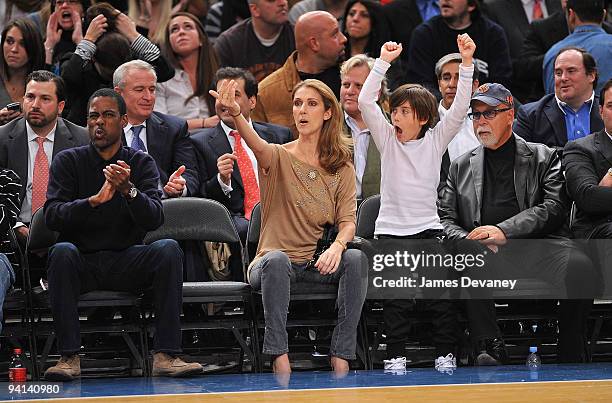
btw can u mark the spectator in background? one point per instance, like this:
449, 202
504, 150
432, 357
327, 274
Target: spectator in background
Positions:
320, 46
261, 43
22, 53
151, 18
334, 7
366, 157
584, 19
366, 30
227, 167
14, 9
403, 17
447, 71
199, 8
10, 187
162, 136
437, 37
568, 114
29, 144
223, 15
111, 40
220, 171
63, 28
541, 36
514, 16
194, 60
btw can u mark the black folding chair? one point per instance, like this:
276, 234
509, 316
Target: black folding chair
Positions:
41, 238
198, 219
17, 307
305, 291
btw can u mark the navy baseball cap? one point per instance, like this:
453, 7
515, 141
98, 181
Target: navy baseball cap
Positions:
493, 94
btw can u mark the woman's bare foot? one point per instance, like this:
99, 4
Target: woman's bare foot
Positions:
281, 364
340, 366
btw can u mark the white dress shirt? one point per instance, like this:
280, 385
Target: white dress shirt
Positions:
464, 141
528, 7
170, 98
129, 135
26, 206
226, 129
361, 141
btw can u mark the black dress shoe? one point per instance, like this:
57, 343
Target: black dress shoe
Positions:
491, 352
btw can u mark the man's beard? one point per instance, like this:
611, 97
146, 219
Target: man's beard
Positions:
42, 121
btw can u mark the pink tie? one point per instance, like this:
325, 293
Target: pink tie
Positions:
537, 10
40, 177
249, 181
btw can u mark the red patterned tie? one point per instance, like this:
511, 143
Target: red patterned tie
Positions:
537, 11
40, 177
249, 181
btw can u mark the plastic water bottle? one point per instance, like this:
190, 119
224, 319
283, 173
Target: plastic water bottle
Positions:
533, 359
17, 371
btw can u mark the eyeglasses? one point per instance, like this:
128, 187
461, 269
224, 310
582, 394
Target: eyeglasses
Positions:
489, 115
61, 2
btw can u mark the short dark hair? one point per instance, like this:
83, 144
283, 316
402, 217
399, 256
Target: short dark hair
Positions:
422, 102
105, 9
113, 49
588, 61
588, 10
602, 94
44, 76
109, 93
229, 73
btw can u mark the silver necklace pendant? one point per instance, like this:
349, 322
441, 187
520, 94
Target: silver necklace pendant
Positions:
312, 175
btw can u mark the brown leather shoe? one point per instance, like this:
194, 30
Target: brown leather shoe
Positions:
166, 365
66, 369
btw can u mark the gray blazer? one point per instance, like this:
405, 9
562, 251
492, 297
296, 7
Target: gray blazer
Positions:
14, 145
540, 191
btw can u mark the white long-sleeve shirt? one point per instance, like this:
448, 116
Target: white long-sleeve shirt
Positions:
410, 172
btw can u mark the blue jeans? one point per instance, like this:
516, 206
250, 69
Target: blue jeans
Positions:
7, 278
273, 274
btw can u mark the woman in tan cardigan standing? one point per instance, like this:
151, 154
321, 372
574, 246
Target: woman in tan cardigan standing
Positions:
304, 186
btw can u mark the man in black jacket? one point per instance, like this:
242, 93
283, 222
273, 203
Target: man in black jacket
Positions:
510, 189
438, 37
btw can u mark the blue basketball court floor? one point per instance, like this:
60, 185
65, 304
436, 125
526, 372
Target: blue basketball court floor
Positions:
551, 383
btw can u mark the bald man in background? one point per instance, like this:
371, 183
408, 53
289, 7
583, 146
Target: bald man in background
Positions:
320, 49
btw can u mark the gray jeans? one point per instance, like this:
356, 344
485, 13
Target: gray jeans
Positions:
274, 273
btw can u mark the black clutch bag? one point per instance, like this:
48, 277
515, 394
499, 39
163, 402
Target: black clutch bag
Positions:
329, 236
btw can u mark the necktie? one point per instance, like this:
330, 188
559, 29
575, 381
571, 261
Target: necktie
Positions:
249, 181
137, 143
40, 176
537, 10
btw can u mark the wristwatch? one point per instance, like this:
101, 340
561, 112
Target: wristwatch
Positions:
132, 193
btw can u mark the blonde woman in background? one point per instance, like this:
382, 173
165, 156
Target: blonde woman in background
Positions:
151, 17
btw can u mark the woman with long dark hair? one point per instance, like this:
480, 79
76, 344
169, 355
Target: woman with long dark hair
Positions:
195, 63
365, 28
22, 53
305, 186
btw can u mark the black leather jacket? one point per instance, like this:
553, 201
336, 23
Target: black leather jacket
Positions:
540, 192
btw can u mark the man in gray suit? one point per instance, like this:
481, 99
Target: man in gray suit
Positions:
41, 127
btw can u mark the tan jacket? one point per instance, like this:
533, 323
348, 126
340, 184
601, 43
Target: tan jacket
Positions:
274, 104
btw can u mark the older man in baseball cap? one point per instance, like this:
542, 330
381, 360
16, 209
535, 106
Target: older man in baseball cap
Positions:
511, 189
